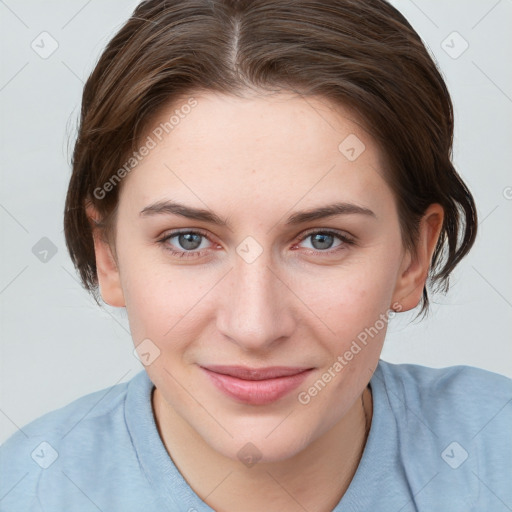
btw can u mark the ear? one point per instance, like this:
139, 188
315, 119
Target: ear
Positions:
107, 269
414, 269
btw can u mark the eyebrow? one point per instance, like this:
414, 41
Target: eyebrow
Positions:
200, 214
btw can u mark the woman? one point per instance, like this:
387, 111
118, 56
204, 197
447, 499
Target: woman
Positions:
263, 185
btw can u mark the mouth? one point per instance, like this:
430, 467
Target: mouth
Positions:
256, 386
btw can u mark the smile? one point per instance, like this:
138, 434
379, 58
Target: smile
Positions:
256, 386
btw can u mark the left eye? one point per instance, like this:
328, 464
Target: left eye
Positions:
323, 240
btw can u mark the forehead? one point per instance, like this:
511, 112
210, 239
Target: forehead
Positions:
282, 147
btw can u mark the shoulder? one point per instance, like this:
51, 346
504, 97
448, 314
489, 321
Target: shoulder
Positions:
436, 379
454, 387
73, 432
91, 408
457, 421
456, 395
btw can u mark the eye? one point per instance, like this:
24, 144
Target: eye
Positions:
187, 241
191, 244
322, 241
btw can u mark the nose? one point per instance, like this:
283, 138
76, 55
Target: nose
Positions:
256, 308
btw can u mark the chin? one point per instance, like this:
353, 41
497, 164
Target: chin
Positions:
265, 440
250, 451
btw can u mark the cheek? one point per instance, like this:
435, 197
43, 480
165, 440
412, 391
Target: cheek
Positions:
359, 321
357, 310
153, 306
149, 292
164, 303
353, 298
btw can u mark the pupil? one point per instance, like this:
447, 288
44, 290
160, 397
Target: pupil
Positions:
322, 239
187, 240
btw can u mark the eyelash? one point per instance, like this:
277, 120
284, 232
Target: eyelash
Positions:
347, 241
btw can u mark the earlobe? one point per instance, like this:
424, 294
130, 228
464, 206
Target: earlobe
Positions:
415, 267
109, 280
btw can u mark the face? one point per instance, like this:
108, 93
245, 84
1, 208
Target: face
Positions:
254, 284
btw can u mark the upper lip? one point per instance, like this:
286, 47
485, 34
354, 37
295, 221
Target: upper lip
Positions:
246, 373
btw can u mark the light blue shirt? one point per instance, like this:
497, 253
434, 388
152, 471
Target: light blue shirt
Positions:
440, 440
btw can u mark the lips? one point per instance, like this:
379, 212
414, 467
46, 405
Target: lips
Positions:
256, 386
244, 373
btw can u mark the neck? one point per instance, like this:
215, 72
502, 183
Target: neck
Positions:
314, 479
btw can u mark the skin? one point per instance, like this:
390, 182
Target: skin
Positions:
254, 161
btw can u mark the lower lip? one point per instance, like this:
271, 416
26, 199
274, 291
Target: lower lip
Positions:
256, 392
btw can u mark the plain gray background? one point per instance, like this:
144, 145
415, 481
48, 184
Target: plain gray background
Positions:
57, 345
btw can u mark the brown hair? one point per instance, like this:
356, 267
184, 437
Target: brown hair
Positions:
360, 53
